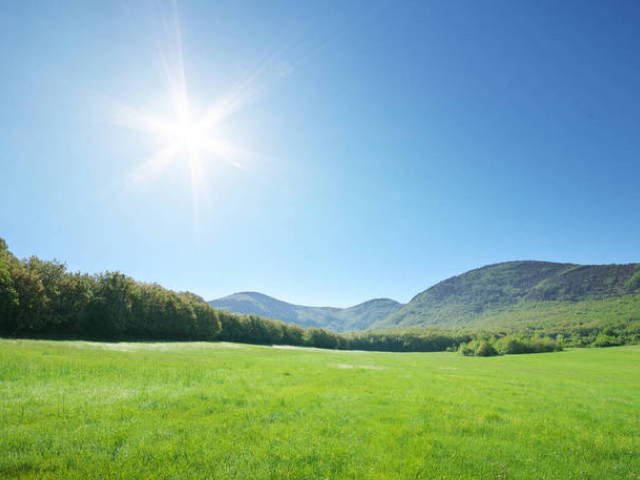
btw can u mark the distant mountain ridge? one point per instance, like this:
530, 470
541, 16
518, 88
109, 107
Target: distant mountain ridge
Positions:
358, 317
501, 296
524, 292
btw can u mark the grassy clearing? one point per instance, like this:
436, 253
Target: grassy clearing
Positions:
79, 410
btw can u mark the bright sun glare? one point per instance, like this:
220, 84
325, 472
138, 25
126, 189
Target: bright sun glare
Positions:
193, 136
185, 136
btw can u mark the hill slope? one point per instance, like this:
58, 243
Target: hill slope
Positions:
358, 317
525, 293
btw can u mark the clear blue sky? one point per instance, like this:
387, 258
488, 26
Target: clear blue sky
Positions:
384, 146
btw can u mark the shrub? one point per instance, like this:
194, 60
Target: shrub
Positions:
485, 349
478, 348
466, 350
603, 340
510, 346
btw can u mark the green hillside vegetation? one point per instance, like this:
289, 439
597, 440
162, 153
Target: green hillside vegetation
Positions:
358, 317
41, 299
142, 411
521, 295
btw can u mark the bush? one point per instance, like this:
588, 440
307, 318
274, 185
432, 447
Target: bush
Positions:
478, 348
603, 340
485, 349
466, 350
510, 346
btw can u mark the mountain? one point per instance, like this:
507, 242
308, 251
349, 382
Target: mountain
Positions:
526, 293
358, 317
510, 295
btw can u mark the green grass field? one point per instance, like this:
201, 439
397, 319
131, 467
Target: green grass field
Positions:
78, 410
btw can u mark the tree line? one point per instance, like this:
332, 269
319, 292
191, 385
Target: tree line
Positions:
42, 299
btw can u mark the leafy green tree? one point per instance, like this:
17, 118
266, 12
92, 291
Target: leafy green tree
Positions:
32, 298
316, 337
112, 304
486, 349
76, 295
9, 299
293, 335
207, 326
510, 345
604, 340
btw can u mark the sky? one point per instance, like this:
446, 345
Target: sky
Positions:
353, 150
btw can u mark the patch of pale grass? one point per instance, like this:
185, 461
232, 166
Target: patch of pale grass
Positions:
158, 346
366, 367
322, 350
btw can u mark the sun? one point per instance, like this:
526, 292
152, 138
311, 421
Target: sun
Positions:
191, 139
192, 142
183, 133
187, 134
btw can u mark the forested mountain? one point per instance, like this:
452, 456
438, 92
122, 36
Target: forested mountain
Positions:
525, 294
358, 317
515, 307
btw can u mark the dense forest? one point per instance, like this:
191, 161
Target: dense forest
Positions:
42, 299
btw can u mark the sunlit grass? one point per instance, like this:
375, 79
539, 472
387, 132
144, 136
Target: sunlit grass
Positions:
212, 410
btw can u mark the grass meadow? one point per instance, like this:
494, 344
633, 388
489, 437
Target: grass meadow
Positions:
81, 410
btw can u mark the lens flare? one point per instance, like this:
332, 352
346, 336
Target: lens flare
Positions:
184, 135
